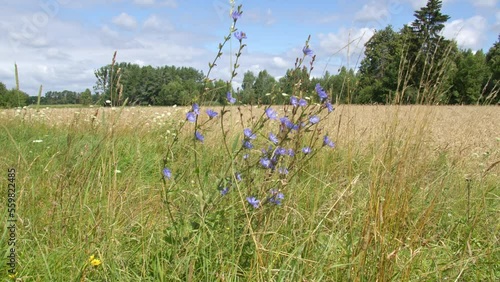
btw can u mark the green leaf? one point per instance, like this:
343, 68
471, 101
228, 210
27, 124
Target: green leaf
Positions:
236, 142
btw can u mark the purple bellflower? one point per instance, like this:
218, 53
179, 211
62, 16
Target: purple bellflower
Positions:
230, 98
307, 51
240, 35
253, 201
167, 173
199, 136
211, 113
321, 92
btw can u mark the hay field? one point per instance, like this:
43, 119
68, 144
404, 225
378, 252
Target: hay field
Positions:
468, 131
410, 193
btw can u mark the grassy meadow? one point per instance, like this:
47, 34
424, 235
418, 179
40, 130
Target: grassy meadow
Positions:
409, 193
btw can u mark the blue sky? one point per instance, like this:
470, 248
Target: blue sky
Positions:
59, 43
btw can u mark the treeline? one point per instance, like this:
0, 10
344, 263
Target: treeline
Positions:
65, 97
12, 98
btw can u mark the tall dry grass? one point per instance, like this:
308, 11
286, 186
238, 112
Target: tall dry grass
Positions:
409, 194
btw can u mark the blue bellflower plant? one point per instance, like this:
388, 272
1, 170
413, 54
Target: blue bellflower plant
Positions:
271, 114
253, 201
265, 162
230, 98
247, 144
307, 51
240, 35
329, 106
302, 103
211, 113
314, 119
191, 116
235, 15
224, 191
196, 109
276, 197
167, 173
249, 134
321, 93
199, 136
273, 138
328, 142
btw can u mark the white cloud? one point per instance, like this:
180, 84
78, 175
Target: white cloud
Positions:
259, 16
107, 31
485, 3
328, 19
144, 2
469, 33
280, 62
417, 4
371, 12
343, 48
126, 21
345, 41
269, 17
497, 24
155, 23
168, 3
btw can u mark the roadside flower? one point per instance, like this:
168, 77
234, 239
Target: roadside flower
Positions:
94, 261
191, 116
282, 170
294, 101
238, 176
285, 121
302, 103
306, 150
240, 35
247, 144
235, 15
291, 153
314, 119
230, 98
167, 173
248, 133
321, 92
253, 201
329, 106
328, 142
276, 197
265, 162
224, 191
307, 51
271, 114
211, 113
196, 109
199, 136
280, 151
273, 138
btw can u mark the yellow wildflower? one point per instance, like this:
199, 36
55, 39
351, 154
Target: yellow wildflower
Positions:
93, 261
